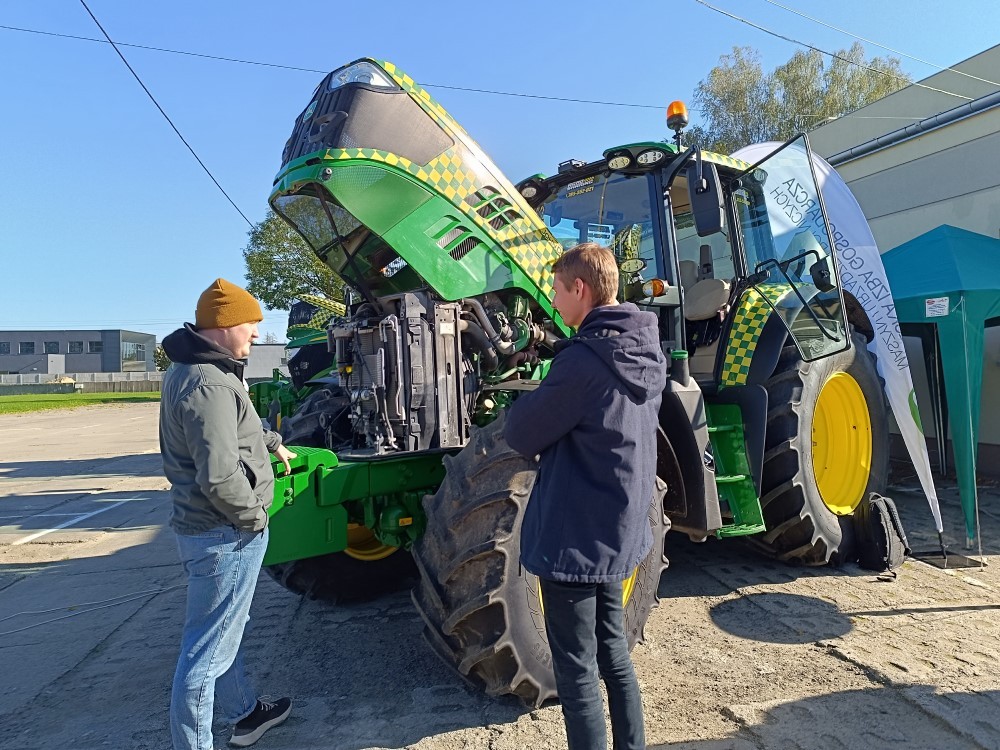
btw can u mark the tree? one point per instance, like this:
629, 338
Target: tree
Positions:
741, 104
281, 266
160, 359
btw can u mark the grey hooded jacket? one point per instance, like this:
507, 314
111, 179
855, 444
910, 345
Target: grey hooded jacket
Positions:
214, 447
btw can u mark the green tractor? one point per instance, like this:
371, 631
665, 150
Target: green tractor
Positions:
773, 425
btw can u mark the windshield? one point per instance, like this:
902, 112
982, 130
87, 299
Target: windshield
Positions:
360, 257
612, 210
699, 258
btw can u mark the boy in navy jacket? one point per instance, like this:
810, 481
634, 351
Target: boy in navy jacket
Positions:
593, 422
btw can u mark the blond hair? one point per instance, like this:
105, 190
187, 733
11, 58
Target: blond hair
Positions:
595, 266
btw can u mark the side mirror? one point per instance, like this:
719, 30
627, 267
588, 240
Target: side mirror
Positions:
705, 194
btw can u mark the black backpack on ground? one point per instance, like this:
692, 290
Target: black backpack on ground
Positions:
879, 536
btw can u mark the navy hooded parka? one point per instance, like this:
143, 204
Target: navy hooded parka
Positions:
593, 422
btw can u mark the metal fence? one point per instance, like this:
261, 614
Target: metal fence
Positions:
81, 377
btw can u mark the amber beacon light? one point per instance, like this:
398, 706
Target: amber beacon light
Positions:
677, 116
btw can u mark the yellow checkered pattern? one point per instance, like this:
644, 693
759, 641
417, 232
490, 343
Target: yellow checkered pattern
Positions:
438, 113
459, 172
533, 249
753, 312
626, 243
448, 176
327, 309
464, 168
527, 240
726, 161
444, 173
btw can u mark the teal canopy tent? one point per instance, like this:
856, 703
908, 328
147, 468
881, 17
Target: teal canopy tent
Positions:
948, 279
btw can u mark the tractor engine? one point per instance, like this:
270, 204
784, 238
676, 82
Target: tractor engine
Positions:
414, 370
402, 370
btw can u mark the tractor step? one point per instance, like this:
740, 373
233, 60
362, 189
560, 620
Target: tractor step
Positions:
726, 479
733, 477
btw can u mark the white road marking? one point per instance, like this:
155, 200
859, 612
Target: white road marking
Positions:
70, 522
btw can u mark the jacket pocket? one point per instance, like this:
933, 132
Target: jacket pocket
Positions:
249, 474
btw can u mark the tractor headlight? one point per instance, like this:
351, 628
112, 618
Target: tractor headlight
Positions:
361, 72
620, 161
650, 157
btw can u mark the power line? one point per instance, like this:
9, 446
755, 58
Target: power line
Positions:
542, 96
165, 116
298, 69
164, 49
824, 52
494, 92
876, 44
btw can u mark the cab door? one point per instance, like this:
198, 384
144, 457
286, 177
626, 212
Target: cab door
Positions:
789, 253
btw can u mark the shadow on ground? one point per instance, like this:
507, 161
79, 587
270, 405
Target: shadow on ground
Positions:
870, 718
126, 465
93, 641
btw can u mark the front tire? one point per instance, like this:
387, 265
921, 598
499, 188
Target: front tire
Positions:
482, 612
827, 447
338, 577
368, 569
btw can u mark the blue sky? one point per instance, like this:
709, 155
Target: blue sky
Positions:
107, 221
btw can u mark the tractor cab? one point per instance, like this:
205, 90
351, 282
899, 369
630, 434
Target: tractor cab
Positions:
701, 238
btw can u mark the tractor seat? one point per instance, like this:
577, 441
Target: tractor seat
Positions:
689, 274
705, 299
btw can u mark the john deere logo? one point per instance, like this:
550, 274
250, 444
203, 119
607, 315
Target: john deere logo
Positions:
309, 111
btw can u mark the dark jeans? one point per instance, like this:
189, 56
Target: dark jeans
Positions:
584, 622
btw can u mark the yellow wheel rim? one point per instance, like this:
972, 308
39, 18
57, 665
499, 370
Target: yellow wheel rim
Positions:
842, 443
628, 586
362, 544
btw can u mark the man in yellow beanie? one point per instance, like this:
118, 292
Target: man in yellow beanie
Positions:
215, 455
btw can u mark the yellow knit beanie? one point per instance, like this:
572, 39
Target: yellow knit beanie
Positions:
224, 305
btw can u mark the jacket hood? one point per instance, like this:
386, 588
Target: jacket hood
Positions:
626, 339
188, 347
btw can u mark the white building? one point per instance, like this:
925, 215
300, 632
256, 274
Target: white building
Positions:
928, 155
263, 360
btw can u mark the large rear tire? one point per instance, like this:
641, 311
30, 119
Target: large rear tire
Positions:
827, 447
482, 612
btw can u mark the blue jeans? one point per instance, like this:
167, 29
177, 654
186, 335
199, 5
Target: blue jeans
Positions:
585, 627
222, 566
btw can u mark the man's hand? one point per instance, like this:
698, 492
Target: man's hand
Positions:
284, 455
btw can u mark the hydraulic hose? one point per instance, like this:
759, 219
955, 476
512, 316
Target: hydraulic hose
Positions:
503, 347
479, 341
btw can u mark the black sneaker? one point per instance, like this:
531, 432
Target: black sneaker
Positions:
266, 714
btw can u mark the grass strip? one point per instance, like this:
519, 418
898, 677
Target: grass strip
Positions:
29, 403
